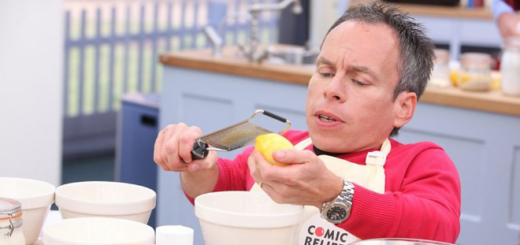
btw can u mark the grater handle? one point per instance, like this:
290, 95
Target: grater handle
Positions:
279, 118
200, 150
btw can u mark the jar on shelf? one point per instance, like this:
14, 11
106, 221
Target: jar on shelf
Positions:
440, 76
475, 72
510, 67
11, 222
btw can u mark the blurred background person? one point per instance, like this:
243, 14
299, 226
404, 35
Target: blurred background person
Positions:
507, 17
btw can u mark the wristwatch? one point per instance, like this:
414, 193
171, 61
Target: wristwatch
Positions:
338, 211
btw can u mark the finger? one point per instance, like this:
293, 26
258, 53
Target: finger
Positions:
186, 140
287, 175
193, 167
260, 164
170, 147
157, 158
170, 155
251, 162
272, 189
264, 171
293, 156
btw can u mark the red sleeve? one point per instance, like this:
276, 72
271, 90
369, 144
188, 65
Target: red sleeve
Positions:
425, 205
513, 3
232, 174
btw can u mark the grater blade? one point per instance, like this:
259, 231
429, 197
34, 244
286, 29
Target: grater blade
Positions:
233, 137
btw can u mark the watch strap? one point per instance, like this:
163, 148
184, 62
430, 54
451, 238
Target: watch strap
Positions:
344, 199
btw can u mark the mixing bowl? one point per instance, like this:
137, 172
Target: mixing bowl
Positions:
105, 199
252, 218
97, 230
35, 196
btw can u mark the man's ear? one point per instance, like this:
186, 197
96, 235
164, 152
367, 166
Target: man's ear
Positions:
405, 104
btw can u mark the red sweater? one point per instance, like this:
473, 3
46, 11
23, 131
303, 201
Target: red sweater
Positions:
421, 199
515, 4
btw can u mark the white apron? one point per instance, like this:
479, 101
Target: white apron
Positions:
316, 230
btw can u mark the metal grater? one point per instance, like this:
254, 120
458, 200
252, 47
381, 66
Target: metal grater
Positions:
233, 137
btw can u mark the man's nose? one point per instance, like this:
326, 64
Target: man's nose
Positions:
335, 90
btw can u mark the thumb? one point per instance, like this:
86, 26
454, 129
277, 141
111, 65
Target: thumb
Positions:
292, 156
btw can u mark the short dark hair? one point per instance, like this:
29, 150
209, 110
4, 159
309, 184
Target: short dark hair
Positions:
416, 49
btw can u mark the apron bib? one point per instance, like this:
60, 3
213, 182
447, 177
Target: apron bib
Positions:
316, 230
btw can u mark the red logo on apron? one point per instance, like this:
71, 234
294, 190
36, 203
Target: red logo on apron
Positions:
320, 236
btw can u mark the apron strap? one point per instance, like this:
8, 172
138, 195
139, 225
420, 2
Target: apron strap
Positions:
303, 144
378, 158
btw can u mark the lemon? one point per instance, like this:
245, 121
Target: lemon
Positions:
269, 143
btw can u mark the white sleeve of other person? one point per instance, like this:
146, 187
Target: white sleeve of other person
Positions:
498, 7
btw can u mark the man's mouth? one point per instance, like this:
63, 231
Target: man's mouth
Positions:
326, 118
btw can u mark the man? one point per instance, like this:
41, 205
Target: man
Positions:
373, 66
508, 21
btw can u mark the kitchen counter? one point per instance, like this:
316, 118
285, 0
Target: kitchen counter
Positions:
492, 101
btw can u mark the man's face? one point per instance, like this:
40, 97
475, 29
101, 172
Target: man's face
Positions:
349, 100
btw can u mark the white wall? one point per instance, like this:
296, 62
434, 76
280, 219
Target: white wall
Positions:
31, 54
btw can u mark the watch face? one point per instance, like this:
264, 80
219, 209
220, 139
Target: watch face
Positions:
336, 214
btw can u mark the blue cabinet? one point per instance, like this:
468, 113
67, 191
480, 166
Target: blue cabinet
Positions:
137, 129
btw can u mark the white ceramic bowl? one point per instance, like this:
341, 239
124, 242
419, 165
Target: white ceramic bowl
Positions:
97, 230
105, 199
36, 198
252, 218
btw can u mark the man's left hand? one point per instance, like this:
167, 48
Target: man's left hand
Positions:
305, 181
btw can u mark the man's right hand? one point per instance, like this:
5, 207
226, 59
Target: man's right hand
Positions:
173, 149
173, 153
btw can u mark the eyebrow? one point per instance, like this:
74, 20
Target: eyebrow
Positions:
325, 61
365, 70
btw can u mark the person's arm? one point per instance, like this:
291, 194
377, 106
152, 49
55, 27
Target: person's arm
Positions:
508, 22
425, 205
233, 175
197, 183
498, 7
172, 152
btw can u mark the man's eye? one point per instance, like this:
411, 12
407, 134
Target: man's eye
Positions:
326, 74
357, 82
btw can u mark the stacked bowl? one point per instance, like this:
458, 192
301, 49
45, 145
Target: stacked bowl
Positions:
105, 199
94, 212
102, 212
36, 198
96, 231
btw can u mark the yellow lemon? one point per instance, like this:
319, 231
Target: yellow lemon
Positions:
269, 143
